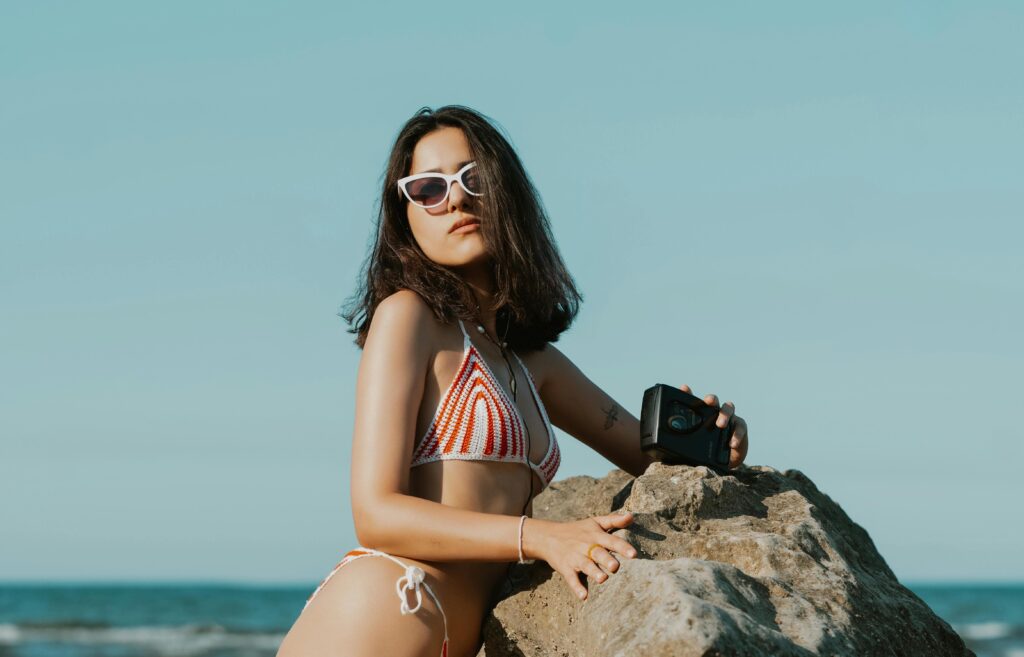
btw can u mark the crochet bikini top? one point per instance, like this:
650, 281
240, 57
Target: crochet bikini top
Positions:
476, 421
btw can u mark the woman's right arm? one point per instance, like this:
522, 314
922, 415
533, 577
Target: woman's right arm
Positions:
392, 373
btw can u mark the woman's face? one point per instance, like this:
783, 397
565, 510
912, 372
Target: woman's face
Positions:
446, 150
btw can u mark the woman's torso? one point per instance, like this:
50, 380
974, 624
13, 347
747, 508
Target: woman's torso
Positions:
484, 486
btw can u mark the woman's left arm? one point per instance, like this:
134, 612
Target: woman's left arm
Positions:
576, 405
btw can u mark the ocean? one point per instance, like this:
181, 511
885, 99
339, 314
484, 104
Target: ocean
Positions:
202, 620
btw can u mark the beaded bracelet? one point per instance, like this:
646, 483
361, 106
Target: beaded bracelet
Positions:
521, 521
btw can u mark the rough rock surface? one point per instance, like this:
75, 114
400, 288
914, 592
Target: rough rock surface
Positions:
757, 562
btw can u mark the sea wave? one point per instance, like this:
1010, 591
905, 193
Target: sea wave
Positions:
176, 641
988, 631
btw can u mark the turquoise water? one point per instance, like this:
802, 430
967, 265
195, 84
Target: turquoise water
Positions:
989, 618
74, 620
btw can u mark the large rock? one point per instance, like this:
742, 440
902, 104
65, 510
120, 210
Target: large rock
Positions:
757, 562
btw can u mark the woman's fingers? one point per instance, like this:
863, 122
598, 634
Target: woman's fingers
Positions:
614, 520
600, 562
575, 585
602, 557
739, 434
614, 543
590, 568
738, 445
728, 410
618, 545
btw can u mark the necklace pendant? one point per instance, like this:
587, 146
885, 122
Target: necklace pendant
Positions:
502, 345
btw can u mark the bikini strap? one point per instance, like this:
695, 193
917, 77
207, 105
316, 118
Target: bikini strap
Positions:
526, 371
466, 341
411, 581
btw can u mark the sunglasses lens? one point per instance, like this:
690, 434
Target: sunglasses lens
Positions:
427, 191
472, 181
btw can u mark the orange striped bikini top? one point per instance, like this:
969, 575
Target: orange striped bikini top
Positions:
476, 421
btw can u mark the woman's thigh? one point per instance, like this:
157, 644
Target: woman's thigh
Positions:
357, 614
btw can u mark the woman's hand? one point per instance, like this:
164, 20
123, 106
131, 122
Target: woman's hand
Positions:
738, 440
564, 546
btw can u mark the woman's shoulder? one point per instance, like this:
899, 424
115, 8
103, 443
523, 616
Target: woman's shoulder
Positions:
404, 316
405, 302
539, 362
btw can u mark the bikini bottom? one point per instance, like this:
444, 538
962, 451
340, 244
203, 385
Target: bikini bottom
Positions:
411, 580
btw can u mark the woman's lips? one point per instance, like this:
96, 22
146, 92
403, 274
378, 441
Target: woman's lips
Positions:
467, 228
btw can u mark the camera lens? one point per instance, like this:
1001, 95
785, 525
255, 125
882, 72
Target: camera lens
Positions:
683, 420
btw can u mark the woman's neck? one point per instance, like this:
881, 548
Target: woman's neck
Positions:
481, 283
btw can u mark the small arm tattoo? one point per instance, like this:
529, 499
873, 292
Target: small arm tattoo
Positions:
611, 415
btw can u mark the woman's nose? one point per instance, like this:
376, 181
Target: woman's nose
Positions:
458, 197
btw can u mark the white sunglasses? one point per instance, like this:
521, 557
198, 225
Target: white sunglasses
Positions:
430, 189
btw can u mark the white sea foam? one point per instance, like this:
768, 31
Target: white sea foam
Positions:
985, 631
9, 634
173, 641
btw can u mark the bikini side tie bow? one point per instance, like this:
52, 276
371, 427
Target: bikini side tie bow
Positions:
412, 579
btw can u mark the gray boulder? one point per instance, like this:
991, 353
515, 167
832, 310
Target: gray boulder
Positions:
757, 562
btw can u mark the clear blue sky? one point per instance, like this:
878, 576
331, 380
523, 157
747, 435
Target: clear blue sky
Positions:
813, 210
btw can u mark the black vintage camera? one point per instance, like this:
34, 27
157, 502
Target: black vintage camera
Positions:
679, 428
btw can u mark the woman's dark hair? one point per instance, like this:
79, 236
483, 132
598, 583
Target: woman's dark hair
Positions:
534, 291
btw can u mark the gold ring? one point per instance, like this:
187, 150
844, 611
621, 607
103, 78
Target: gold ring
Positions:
592, 546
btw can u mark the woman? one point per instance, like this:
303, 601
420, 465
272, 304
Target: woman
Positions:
464, 292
